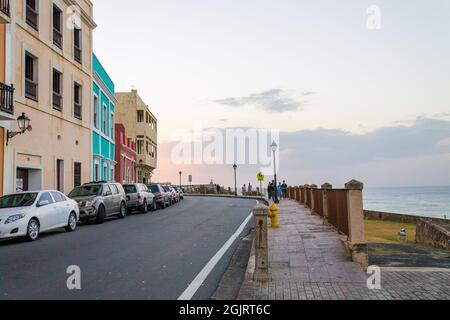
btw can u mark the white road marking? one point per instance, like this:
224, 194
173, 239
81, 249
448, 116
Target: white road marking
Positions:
201, 277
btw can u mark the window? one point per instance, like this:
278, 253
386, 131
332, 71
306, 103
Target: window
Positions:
77, 94
124, 169
106, 189
77, 44
104, 119
114, 189
57, 27
76, 174
57, 90
96, 112
112, 174
105, 172
58, 197
32, 13
140, 146
111, 125
46, 197
96, 172
140, 116
31, 76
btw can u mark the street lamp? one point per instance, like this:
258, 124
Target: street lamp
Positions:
274, 147
235, 180
180, 173
24, 124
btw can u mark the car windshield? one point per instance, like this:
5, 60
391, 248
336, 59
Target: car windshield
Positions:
153, 188
18, 200
130, 188
86, 191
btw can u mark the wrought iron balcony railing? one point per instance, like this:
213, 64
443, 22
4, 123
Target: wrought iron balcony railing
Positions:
6, 98
4, 7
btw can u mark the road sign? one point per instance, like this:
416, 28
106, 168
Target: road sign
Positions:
260, 177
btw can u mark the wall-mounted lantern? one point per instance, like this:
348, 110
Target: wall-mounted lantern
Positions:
24, 125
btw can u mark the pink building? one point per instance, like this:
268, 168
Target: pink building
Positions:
125, 157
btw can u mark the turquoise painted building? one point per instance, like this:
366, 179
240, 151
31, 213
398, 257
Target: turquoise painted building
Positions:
103, 123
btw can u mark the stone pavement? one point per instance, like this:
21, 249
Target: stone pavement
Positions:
309, 262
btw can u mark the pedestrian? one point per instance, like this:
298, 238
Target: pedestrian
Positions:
244, 189
250, 189
284, 188
270, 190
279, 191
218, 189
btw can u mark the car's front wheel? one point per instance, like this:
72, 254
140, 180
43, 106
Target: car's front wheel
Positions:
72, 223
122, 211
144, 207
33, 230
100, 218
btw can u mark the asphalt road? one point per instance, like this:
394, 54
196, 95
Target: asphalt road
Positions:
152, 256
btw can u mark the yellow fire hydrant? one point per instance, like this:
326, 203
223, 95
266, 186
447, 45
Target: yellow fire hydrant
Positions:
273, 215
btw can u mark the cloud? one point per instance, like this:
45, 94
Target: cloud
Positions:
273, 101
417, 154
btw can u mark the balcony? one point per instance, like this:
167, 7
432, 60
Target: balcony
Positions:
6, 102
147, 161
5, 12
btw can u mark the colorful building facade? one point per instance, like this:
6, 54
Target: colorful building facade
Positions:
141, 125
7, 117
103, 124
52, 63
126, 157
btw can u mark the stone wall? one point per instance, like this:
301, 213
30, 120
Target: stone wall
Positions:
429, 233
405, 218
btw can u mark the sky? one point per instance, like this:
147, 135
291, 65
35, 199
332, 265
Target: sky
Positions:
358, 89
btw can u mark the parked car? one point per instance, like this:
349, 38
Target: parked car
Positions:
173, 194
28, 214
139, 197
162, 197
98, 200
179, 192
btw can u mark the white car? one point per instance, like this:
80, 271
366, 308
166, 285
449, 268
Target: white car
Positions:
27, 214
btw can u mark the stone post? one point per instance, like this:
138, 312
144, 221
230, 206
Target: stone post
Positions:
306, 190
326, 187
357, 241
313, 205
261, 274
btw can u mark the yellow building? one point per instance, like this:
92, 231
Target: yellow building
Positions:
52, 63
7, 117
142, 125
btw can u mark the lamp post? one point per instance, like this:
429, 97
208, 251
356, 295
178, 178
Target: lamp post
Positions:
235, 181
24, 124
180, 173
274, 147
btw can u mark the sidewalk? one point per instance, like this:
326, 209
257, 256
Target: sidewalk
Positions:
309, 262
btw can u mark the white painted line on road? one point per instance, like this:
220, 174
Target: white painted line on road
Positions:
201, 277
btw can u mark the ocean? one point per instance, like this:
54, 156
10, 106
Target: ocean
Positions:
433, 202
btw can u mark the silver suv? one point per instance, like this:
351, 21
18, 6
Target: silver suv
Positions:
98, 200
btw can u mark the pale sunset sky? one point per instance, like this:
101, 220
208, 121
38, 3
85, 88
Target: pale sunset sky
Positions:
350, 101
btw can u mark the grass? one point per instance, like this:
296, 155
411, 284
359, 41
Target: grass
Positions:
387, 231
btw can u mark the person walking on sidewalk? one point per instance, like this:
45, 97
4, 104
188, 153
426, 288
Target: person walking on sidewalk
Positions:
270, 191
284, 189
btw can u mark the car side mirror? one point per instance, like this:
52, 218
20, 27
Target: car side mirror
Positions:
43, 203
108, 193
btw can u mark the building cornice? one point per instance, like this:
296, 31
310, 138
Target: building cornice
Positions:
104, 88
